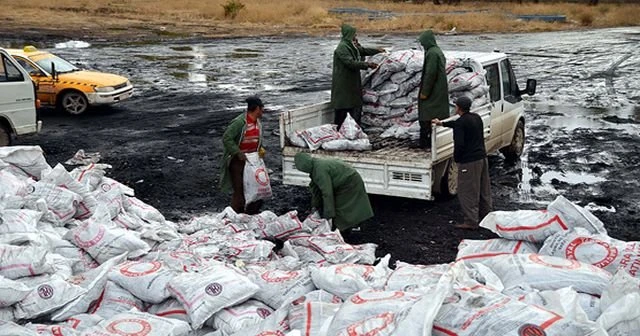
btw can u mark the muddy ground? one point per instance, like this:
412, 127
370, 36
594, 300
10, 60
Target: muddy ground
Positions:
583, 132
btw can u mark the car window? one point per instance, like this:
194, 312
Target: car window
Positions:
493, 79
9, 72
62, 65
30, 68
508, 82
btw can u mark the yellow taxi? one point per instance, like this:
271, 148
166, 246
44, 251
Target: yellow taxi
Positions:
63, 85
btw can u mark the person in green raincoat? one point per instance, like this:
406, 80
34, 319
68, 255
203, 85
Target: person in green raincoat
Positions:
346, 85
243, 135
337, 191
433, 102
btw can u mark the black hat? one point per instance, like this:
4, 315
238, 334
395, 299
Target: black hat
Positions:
253, 102
464, 103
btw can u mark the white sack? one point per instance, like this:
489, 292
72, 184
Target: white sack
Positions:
147, 280
21, 261
278, 287
233, 319
206, 293
474, 250
316, 136
115, 300
547, 273
256, 183
347, 279
138, 324
52, 294
350, 128
12, 292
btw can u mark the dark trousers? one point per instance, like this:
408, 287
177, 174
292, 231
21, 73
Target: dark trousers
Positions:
425, 134
474, 190
341, 114
236, 172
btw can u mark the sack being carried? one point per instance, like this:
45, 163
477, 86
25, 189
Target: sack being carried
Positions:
257, 185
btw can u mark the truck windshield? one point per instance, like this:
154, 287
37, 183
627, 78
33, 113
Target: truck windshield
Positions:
62, 66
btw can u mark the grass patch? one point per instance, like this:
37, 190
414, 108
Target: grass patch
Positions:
253, 17
180, 75
179, 66
182, 48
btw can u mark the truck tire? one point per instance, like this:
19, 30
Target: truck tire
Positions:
5, 135
449, 181
515, 148
74, 102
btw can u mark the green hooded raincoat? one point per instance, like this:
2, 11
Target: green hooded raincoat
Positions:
231, 141
434, 81
337, 189
348, 60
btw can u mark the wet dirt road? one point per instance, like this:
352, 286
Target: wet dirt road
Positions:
583, 126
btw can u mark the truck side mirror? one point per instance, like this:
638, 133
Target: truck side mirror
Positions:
531, 87
54, 73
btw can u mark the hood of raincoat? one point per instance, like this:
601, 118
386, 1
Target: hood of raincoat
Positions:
427, 39
304, 162
348, 32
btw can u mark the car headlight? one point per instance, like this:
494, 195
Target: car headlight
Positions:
104, 89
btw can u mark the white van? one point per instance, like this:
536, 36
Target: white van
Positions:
18, 103
394, 169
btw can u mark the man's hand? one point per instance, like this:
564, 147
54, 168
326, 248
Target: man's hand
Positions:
372, 65
436, 121
423, 97
241, 156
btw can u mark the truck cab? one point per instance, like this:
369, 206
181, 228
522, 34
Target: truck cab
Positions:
393, 168
18, 102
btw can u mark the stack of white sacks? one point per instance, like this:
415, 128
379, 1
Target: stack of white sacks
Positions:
79, 255
390, 92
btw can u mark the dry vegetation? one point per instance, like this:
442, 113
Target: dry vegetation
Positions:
256, 17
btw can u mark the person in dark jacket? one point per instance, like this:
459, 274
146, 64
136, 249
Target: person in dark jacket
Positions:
346, 85
474, 187
337, 191
243, 135
433, 102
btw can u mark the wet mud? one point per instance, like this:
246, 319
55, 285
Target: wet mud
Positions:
582, 129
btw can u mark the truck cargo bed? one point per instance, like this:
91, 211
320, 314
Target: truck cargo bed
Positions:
383, 149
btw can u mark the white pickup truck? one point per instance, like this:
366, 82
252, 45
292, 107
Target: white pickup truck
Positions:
393, 168
18, 102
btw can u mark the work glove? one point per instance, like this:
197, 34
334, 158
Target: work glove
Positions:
262, 152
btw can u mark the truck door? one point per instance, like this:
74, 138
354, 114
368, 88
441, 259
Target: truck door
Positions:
497, 116
46, 86
16, 94
512, 102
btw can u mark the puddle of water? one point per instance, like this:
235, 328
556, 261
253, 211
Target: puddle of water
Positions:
571, 178
73, 44
182, 48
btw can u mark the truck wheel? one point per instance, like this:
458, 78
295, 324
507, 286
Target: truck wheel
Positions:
449, 181
515, 148
74, 102
5, 136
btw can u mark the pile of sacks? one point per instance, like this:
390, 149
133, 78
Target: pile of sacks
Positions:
79, 255
390, 92
349, 137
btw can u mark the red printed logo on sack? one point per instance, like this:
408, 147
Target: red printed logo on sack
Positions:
373, 296
115, 327
214, 289
538, 259
531, 330
263, 312
612, 252
154, 267
271, 333
278, 276
45, 291
366, 270
262, 177
106, 187
378, 324
85, 244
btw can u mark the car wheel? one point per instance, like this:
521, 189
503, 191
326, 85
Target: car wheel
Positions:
515, 148
449, 181
74, 102
5, 136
